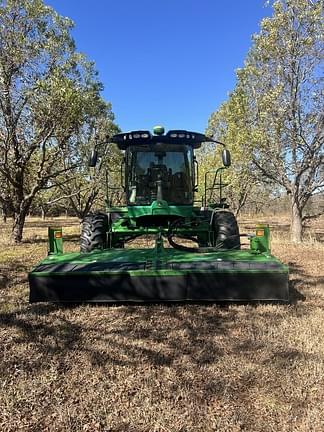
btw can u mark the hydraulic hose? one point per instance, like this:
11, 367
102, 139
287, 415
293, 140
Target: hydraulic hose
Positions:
177, 246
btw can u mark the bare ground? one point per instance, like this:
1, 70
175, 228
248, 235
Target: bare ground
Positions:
157, 367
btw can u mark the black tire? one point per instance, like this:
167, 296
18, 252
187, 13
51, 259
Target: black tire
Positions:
205, 216
226, 230
94, 232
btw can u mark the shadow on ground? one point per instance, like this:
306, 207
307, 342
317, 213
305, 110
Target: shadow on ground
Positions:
195, 355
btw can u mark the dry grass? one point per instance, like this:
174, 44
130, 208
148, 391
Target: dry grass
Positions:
161, 368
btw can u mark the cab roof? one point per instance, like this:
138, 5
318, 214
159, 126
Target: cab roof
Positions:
126, 139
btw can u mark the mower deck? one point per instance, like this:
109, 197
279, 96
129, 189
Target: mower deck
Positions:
143, 275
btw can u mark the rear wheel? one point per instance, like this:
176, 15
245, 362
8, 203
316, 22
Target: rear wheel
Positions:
93, 233
226, 231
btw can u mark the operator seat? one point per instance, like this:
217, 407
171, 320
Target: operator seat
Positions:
179, 187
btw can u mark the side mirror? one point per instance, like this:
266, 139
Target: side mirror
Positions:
93, 158
226, 156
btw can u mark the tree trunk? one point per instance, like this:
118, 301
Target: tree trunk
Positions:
4, 215
18, 225
296, 227
43, 210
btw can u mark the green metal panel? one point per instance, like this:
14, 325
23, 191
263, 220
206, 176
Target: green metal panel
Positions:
261, 241
160, 208
55, 241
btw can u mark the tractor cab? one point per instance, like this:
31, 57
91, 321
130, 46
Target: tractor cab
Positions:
160, 172
160, 167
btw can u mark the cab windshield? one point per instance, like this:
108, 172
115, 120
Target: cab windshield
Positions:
160, 172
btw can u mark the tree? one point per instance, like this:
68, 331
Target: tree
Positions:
48, 92
228, 125
283, 90
88, 184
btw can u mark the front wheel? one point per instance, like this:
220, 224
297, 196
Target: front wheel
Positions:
226, 230
94, 232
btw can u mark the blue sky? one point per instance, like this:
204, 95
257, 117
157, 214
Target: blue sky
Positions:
169, 62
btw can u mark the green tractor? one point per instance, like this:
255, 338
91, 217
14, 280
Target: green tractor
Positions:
197, 253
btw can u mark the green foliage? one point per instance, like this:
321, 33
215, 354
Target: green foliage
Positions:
228, 125
274, 117
87, 186
50, 104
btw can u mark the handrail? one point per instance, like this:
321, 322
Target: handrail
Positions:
213, 187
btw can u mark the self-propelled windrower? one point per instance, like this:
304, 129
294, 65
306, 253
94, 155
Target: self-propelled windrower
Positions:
197, 254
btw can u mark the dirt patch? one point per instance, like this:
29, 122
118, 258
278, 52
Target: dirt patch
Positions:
158, 367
